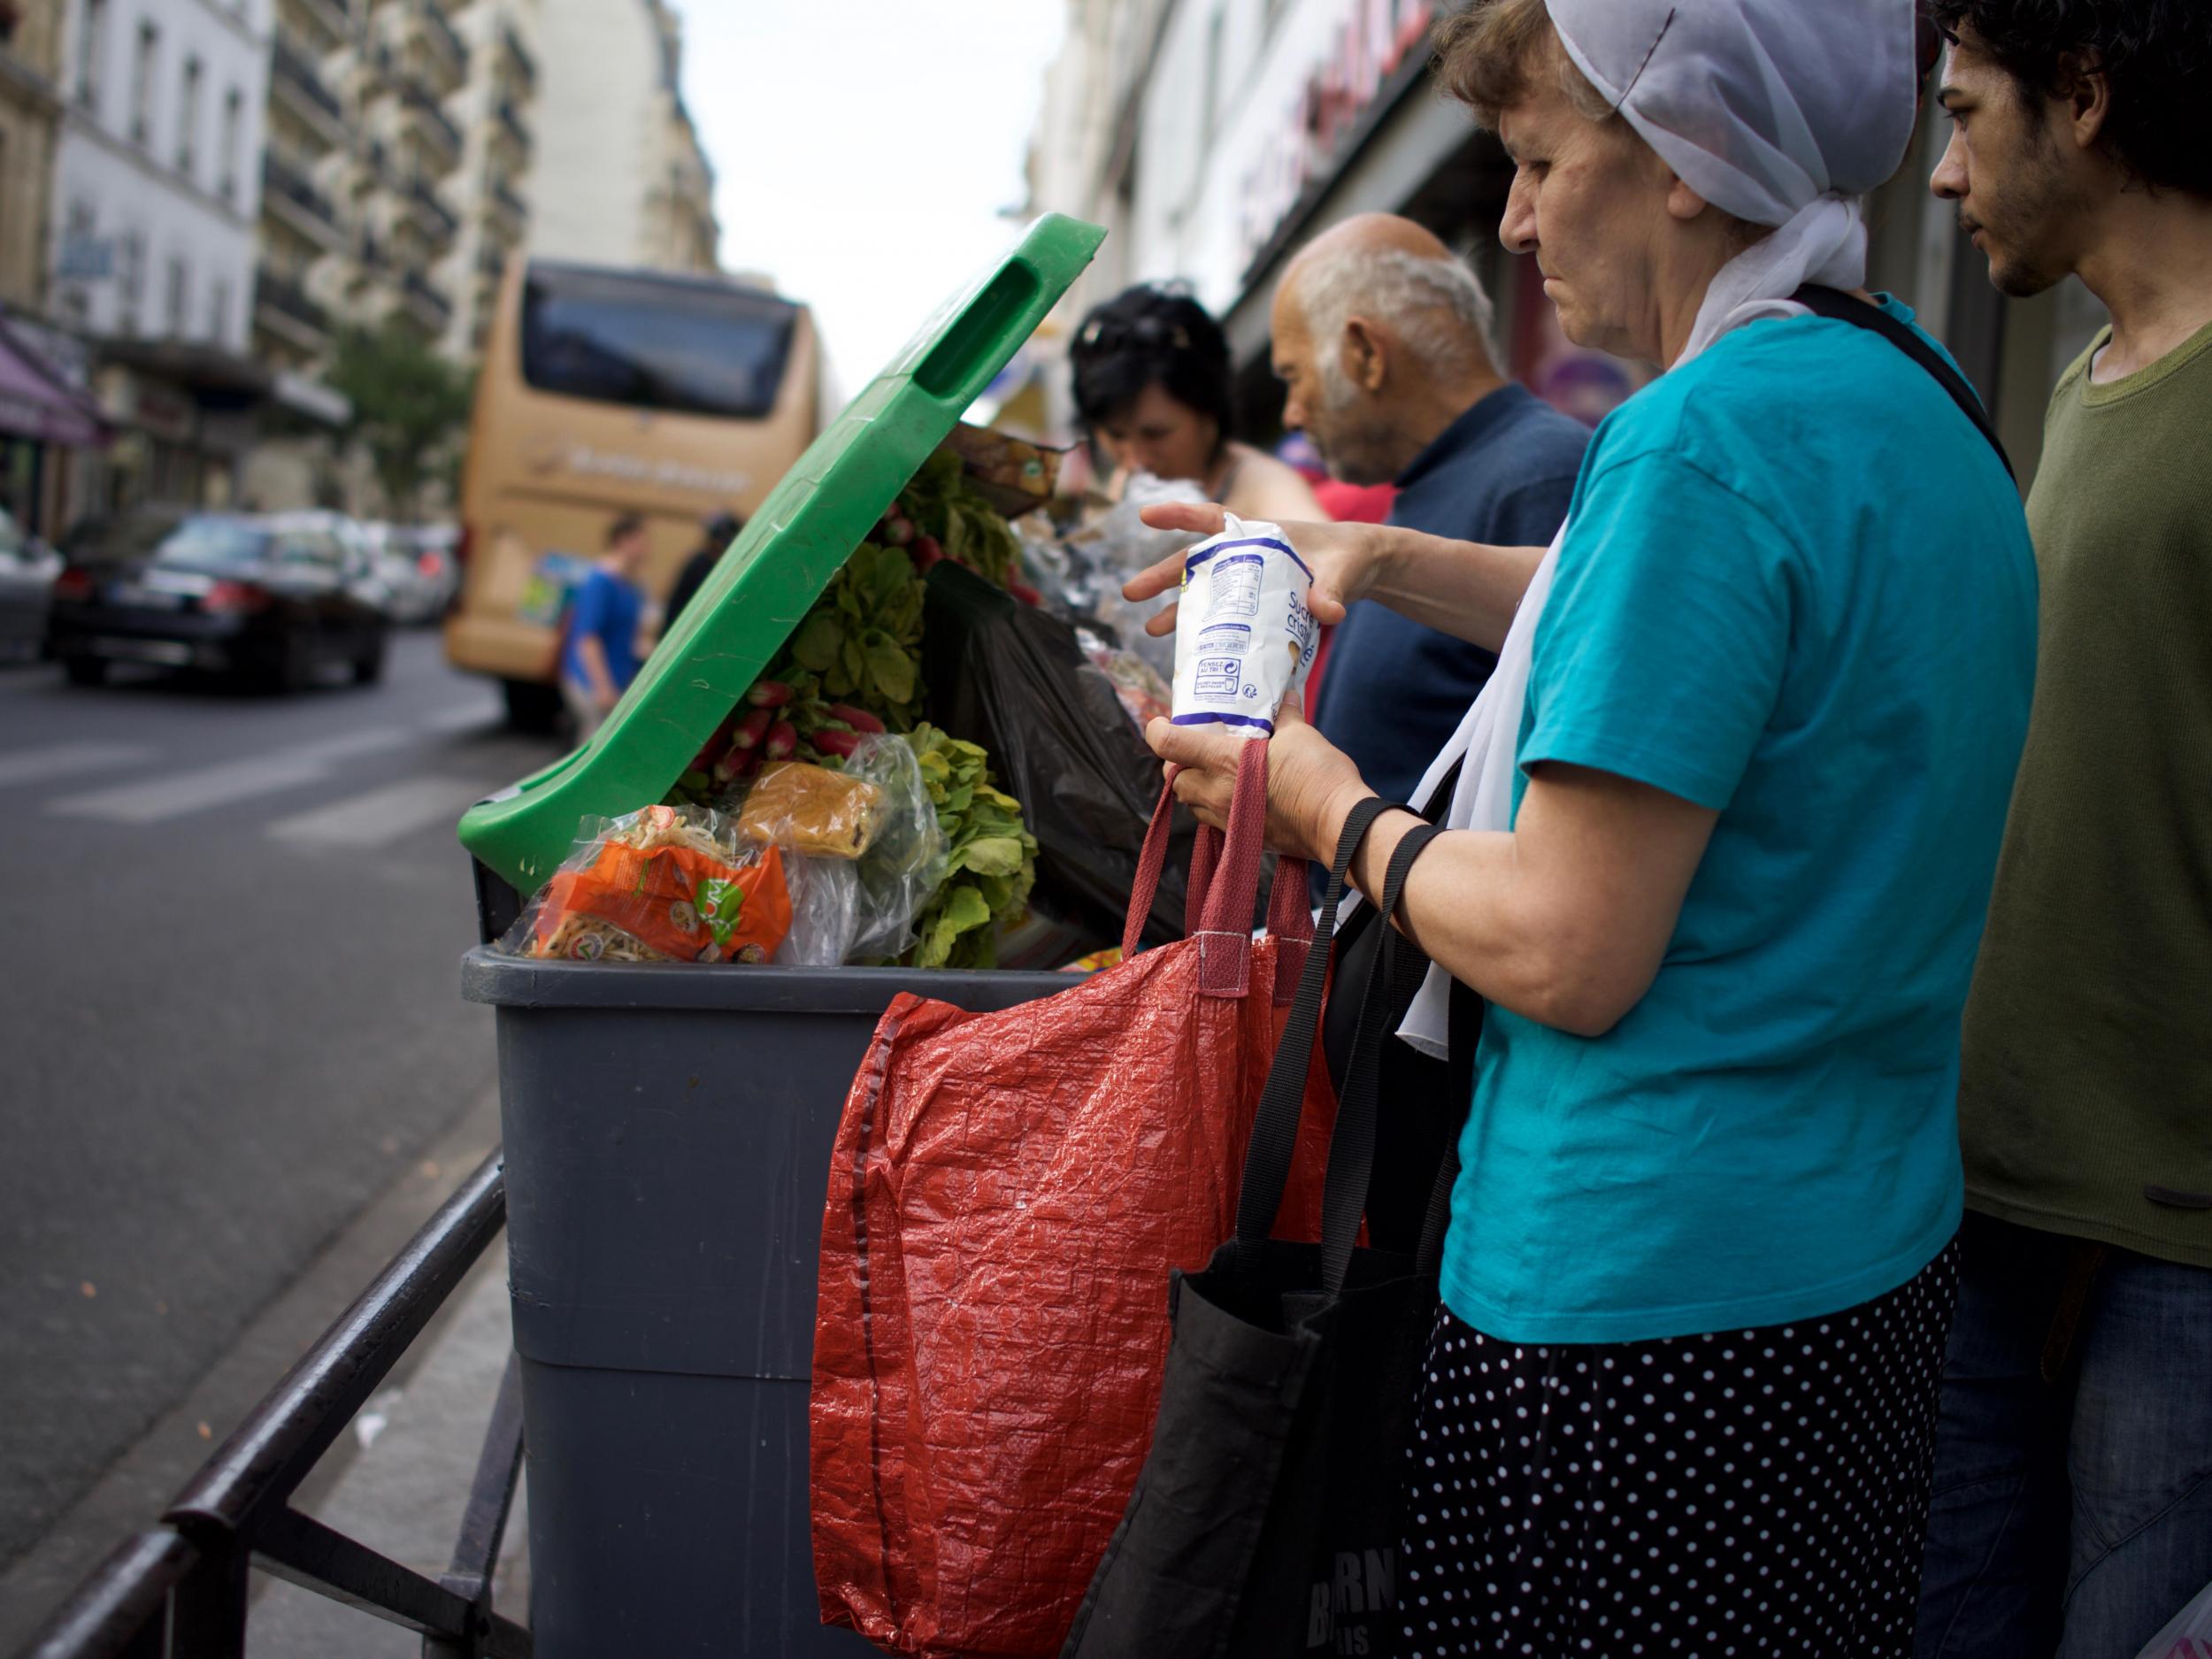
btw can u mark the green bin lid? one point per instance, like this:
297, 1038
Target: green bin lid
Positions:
799, 539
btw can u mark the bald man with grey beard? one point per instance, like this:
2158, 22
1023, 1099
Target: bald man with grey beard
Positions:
1381, 339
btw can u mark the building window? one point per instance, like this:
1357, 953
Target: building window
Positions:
91, 47
189, 117
142, 84
180, 293
218, 310
1210, 100
131, 283
233, 112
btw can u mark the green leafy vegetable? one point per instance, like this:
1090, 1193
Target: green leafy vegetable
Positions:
942, 502
993, 857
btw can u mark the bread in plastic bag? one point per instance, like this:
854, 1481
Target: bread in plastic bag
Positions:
812, 810
664, 884
861, 838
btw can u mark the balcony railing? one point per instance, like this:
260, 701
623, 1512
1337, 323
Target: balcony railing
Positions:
289, 299
510, 122
281, 179
440, 29
335, 17
424, 102
430, 303
526, 66
436, 211
297, 70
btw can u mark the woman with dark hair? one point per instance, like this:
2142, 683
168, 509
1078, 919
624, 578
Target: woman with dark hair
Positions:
1152, 386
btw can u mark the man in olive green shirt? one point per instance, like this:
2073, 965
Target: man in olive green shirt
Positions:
2072, 1509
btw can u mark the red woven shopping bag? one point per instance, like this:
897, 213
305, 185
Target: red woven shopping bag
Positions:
1007, 1193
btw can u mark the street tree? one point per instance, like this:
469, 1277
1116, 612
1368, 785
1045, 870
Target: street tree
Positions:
409, 404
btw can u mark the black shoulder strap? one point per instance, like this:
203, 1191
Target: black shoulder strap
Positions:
1848, 308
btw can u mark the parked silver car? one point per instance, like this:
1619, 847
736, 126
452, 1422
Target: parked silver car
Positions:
417, 563
27, 569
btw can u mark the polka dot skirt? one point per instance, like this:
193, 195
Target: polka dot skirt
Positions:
1744, 1492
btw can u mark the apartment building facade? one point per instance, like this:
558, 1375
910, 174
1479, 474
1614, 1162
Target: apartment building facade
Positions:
1214, 137
30, 112
153, 197
620, 179
155, 187
495, 110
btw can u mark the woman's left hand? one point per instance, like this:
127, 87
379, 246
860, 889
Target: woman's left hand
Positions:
1311, 785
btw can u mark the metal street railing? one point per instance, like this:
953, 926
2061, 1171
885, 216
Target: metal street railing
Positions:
179, 1590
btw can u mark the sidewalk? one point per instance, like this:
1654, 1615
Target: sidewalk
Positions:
147, 1475
404, 1492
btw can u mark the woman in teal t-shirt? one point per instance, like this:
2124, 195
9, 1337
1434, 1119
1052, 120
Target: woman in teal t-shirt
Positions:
1725, 863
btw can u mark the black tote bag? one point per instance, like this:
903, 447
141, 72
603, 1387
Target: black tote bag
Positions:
1428, 1097
1267, 1519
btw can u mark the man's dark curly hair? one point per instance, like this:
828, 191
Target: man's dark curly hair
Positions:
2157, 55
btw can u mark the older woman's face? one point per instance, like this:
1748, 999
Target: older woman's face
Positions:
1589, 202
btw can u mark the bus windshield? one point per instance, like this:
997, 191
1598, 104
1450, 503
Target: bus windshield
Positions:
693, 347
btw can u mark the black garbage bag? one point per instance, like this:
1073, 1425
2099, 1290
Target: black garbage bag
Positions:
1014, 679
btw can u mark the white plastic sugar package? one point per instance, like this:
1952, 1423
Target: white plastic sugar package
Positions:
1243, 635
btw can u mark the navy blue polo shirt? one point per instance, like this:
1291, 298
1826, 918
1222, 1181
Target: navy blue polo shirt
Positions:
1503, 472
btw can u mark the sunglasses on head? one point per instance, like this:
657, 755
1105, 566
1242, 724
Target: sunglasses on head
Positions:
1111, 333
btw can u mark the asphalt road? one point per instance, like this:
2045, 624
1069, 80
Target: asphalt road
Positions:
230, 1018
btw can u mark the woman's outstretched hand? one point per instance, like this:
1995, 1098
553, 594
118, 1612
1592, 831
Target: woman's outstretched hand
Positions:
1311, 787
1344, 559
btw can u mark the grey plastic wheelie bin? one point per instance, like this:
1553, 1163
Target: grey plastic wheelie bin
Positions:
668, 1128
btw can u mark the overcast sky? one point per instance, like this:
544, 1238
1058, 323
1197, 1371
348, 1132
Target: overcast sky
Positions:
863, 149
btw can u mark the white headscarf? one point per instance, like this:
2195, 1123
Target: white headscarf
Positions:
1783, 112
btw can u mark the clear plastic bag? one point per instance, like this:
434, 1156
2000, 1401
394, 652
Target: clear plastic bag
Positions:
825, 908
1144, 692
908, 860
861, 840
664, 884
1118, 546
2189, 1636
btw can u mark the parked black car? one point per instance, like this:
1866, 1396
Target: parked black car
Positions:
221, 592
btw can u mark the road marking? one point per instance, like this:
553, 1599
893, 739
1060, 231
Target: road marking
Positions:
377, 817
467, 717
157, 800
374, 740
58, 760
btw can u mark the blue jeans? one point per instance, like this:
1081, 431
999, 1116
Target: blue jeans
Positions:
2071, 1518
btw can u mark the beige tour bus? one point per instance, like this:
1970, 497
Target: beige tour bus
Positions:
603, 391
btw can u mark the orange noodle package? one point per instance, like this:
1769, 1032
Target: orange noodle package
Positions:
666, 884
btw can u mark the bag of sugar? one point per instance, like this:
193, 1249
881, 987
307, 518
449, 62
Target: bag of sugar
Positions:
1243, 635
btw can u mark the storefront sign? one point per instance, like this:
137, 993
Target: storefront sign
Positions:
1368, 48
131, 399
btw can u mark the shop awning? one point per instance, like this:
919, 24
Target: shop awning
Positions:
34, 405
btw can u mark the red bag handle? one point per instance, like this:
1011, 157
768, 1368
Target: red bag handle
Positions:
1151, 863
1289, 910
1224, 926
1224, 881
